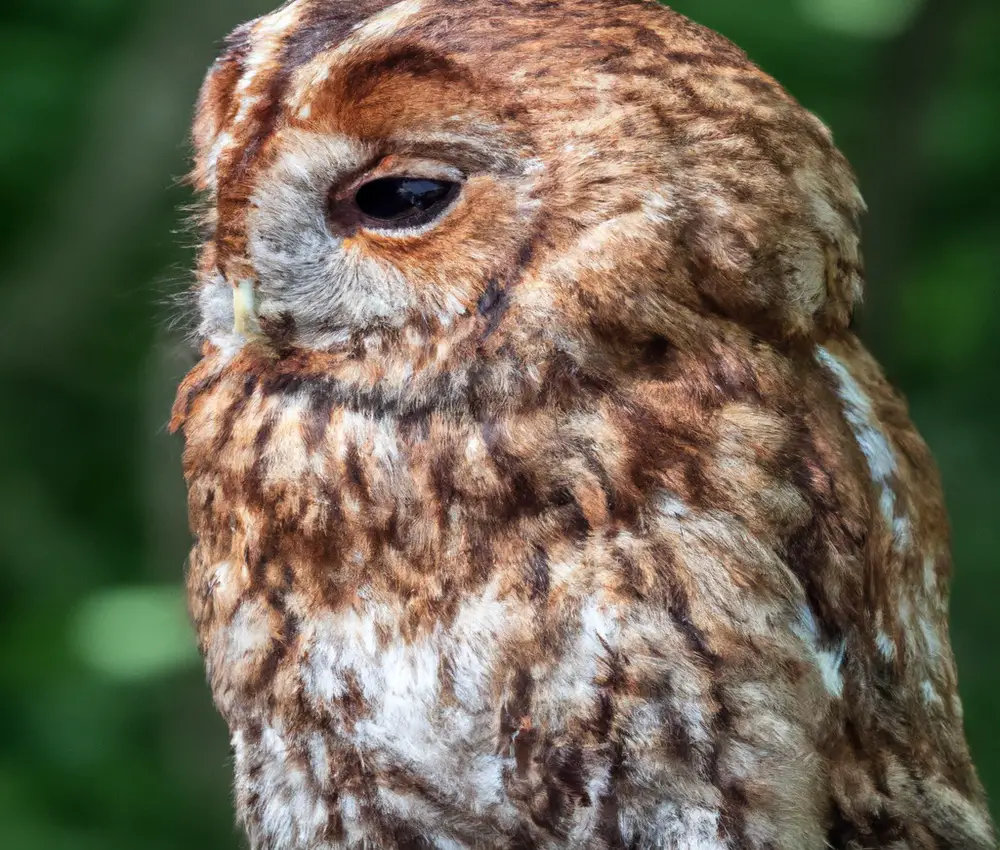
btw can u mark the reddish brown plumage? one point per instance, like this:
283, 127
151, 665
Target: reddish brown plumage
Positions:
577, 518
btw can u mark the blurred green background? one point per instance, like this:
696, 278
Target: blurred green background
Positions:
107, 737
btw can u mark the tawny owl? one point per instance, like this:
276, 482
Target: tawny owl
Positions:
543, 497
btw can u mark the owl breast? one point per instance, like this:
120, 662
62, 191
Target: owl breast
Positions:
422, 627
507, 723
433, 736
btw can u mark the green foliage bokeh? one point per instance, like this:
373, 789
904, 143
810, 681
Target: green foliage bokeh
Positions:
107, 736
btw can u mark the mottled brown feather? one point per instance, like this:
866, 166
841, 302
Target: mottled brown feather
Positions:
578, 519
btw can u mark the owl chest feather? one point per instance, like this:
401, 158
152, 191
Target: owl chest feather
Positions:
437, 735
417, 633
565, 629
386, 651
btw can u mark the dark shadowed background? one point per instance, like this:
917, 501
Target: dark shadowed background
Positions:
107, 736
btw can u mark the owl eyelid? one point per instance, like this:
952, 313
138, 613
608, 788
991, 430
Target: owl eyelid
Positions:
400, 166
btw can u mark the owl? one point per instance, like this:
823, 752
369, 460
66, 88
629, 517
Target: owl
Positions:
542, 495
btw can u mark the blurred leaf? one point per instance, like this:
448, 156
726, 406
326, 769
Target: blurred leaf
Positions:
866, 18
135, 633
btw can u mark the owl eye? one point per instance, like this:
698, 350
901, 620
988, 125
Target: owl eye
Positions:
396, 202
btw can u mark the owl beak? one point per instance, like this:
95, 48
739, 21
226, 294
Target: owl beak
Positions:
244, 310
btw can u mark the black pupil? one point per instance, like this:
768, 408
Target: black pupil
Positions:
397, 198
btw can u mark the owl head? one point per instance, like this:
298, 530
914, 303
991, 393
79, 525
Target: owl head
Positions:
409, 194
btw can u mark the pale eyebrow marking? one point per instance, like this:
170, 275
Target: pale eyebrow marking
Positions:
317, 70
268, 35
